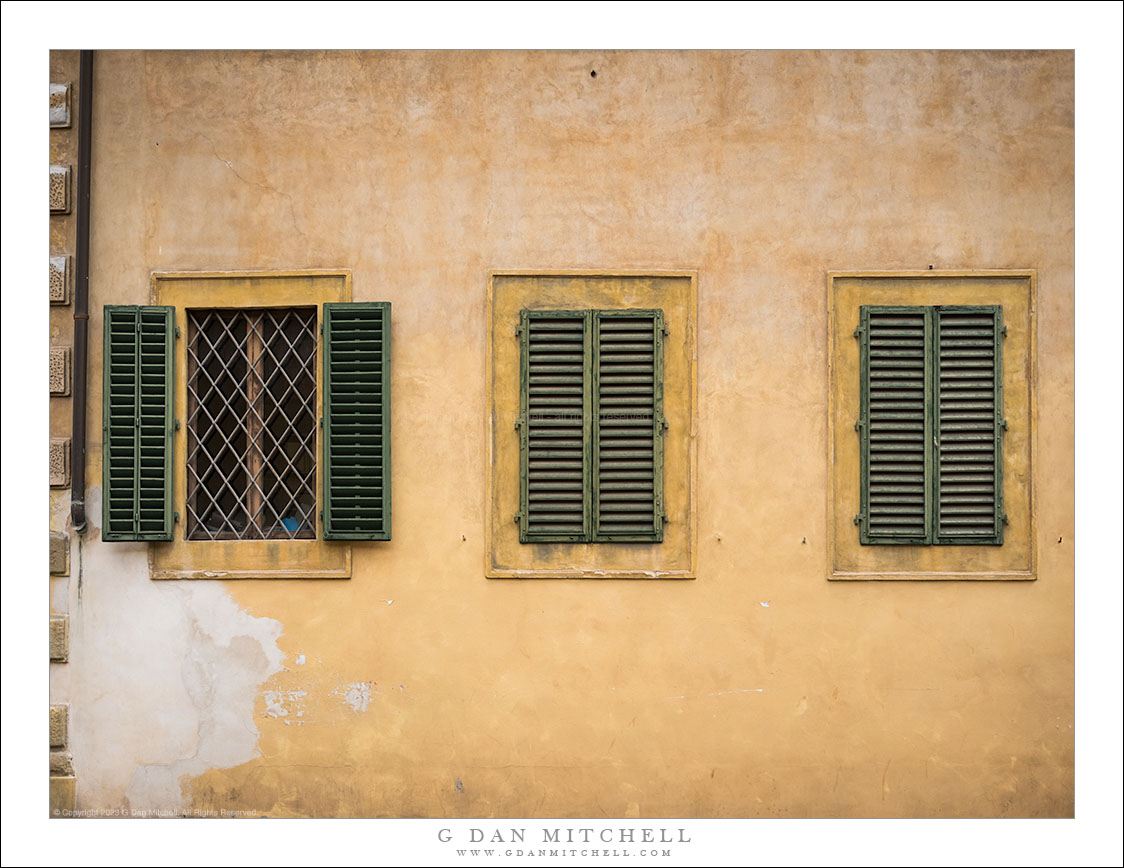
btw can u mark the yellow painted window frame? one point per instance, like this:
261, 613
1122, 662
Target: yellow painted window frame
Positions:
245, 559
1015, 290
675, 293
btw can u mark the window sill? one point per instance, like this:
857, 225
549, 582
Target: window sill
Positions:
250, 559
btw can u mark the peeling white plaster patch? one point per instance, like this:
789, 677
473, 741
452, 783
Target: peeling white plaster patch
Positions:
765, 603
356, 694
275, 702
300, 660
165, 675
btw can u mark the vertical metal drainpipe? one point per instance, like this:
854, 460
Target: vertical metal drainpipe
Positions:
82, 291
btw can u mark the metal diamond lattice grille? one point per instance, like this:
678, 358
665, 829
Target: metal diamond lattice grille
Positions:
251, 432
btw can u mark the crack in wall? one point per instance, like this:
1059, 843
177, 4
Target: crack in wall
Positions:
230, 165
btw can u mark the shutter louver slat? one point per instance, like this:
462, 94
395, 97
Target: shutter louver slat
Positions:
553, 433
628, 426
894, 491
137, 429
356, 435
968, 419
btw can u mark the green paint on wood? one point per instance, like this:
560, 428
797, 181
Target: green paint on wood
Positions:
356, 425
137, 423
930, 425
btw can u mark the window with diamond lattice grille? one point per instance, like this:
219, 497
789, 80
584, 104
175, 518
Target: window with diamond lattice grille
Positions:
251, 424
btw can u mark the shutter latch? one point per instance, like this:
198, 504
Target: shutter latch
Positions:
859, 518
858, 333
1005, 519
1003, 424
519, 423
859, 424
518, 517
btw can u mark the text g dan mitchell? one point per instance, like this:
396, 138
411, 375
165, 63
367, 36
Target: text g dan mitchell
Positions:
572, 836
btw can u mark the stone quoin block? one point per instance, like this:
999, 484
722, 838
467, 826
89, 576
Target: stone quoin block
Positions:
61, 764
59, 460
60, 554
60, 639
60, 104
62, 796
60, 715
60, 370
60, 280
60, 189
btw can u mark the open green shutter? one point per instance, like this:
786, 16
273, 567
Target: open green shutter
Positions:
137, 424
968, 425
356, 424
895, 425
628, 426
554, 426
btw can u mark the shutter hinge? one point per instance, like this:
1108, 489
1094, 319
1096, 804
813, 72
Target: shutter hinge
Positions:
663, 516
519, 331
1003, 424
1003, 331
1004, 517
859, 424
858, 333
519, 423
666, 332
518, 517
663, 422
859, 518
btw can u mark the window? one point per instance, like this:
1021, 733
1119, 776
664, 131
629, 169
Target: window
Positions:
253, 447
251, 424
931, 425
591, 426
591, 470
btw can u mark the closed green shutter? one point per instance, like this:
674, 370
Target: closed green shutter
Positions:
931, 425
968, 425
137, 424
554, 426
628, 425
356, 424
591, 426
895, 425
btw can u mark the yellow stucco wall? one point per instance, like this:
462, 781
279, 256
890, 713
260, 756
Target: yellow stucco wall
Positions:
418, 687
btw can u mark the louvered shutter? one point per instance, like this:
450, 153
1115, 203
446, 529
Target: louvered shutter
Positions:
627, 439
895, 426
968, 425
137, 424
554, 426
356, 424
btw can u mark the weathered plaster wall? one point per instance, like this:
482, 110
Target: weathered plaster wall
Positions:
418, 687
